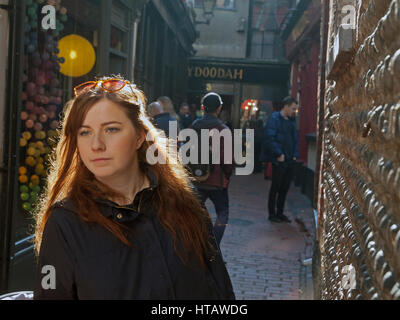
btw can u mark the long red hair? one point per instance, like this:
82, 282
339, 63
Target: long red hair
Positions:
179, 210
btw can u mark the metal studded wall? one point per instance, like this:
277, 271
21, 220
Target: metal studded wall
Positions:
359, 225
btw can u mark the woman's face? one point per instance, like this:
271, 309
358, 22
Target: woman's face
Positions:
108, 141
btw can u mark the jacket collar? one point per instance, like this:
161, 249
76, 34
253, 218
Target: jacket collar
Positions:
161, 115
289, 118
209, 116
109, 208
208, 121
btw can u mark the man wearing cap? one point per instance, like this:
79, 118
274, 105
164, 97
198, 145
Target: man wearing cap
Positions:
215, 187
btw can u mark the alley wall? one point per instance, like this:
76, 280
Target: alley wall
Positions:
359, 196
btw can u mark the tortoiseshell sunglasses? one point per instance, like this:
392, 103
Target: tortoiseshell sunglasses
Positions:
109, 85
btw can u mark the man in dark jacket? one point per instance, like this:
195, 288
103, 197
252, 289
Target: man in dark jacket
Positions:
161, 119
185, 118
216, 186
280, 147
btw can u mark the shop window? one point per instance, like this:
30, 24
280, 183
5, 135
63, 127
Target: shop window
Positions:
262, 45
221, 4
118, 65
265, 42
118, 40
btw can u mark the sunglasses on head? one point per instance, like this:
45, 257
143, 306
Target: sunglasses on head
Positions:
109, 85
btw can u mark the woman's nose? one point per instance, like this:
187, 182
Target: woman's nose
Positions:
98, 142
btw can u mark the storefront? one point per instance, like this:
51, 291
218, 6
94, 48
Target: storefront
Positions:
250, 89
51, 52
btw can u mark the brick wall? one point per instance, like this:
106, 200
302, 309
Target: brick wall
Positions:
359, 197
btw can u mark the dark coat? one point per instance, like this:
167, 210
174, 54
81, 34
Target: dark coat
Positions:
91, 263
162, 120
274, 138
185, 120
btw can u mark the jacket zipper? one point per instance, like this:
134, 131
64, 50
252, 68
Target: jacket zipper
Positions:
140, 202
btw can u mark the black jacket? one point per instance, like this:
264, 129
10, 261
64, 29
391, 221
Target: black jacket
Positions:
162, 121
91, 263
275, 139
185, 121
222, 172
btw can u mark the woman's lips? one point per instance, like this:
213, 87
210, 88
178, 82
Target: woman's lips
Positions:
101, 160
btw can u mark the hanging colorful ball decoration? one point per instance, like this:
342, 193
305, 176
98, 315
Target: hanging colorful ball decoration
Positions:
41, 100
77, 56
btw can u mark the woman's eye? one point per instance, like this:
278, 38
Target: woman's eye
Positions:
112, 129
84, 133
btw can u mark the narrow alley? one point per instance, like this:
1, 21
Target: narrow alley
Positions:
263, 258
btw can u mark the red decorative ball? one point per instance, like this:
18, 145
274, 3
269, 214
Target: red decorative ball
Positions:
31, 89
52, 115
29, 123
54, 124
45, 100
38, 126
30, 105
40, 81
52, 107
43, 117
32, 116
24, 115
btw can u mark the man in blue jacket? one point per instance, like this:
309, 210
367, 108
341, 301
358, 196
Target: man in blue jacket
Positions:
280, 147
160, 118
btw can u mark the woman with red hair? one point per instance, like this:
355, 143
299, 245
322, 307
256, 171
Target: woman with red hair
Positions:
112, 226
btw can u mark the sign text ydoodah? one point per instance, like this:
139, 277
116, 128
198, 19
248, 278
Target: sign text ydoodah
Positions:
216, 73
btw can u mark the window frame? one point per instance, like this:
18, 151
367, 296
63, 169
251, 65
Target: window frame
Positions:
199, 6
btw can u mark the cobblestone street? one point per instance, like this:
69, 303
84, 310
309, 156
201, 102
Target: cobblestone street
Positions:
264, 258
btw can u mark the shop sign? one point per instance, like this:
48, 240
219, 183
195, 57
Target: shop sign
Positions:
219, 73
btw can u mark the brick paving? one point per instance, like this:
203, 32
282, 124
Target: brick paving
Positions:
264, 258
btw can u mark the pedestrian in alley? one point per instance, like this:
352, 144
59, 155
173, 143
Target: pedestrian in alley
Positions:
280, 147
215, 186
168, 106
112, 226
185, 117
160, 118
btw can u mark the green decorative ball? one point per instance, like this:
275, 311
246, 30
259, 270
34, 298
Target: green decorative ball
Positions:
24, 196
27, 206
24, 188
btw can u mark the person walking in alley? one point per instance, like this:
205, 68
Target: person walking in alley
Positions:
280, 147
113, 226
215, 187
168, 106
185, 117
160, 118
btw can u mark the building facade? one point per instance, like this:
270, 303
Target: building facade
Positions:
165, 38
300, 29
245, 63
359, 176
